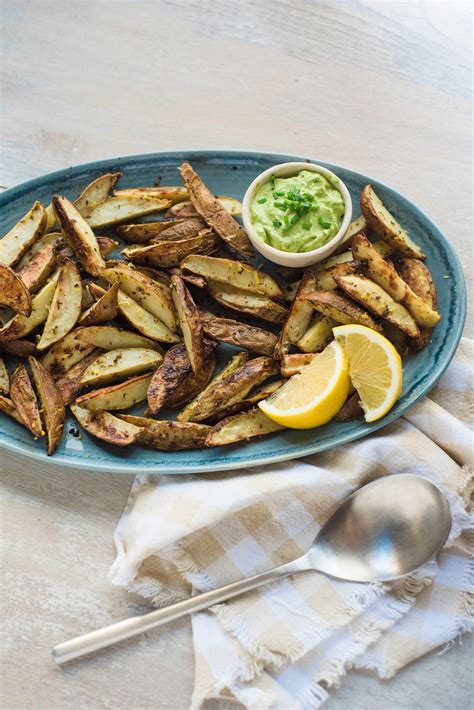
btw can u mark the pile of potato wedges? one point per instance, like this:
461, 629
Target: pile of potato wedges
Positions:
80, 328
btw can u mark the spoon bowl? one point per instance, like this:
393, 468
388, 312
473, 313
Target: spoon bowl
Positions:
383, 531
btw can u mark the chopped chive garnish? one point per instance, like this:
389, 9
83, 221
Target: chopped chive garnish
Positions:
307, 224
290, 195
281, 205
262, 200
276, 223
286, 219
323, 223
277, 194
308, 197
272, 180
295, 218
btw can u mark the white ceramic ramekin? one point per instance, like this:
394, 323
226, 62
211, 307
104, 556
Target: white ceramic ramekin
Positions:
284, 258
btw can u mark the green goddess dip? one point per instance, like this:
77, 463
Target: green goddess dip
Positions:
297, 213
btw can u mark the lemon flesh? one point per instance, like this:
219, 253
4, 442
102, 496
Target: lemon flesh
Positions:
315, 395
375, 368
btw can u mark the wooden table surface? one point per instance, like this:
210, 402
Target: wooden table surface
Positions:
381, 87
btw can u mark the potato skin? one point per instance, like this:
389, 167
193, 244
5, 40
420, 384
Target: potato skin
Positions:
78, 235
341, 309
169, 435
239, 334
213, 212
13, 292
385, 226
189, 321
107, 426
23, 397
174, 382
51, 402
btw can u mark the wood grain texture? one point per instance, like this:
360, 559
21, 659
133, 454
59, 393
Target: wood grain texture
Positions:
382, 87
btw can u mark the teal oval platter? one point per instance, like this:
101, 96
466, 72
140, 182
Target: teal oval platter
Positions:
230, 173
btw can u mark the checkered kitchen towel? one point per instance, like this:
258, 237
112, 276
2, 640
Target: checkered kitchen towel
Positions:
285, 645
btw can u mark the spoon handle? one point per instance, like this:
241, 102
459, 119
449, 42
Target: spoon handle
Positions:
122, 630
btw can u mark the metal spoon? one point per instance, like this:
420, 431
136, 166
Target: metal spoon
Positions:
382, 532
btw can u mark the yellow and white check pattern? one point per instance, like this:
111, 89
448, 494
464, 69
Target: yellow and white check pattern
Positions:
285, 645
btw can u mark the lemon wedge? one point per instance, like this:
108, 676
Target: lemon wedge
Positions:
313, 396
375, 368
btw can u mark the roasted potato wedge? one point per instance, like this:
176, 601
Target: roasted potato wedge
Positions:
65, 307
166, 254
174, 382
18, 240
79, 235
187, 209
20, 325
241, 427
24, 398
418, 278
155, 298
213, 212
378, 301
341, 309
144, 321
18, 348
385, 276
234, 387
117, 209
298, 318
52, 405
70, 383
106, 426
117, 364
4, 378
236, 361
384, 224
54, 239
168, 435
235, 273
181, 229
8, 408
351, 409
292, 364
37, 270
239, 334
13, 292
143, 233
121, 396
95, 193
80, 342
107, 245
189, 322
172, 193
254, 304
103, 310
318, 335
